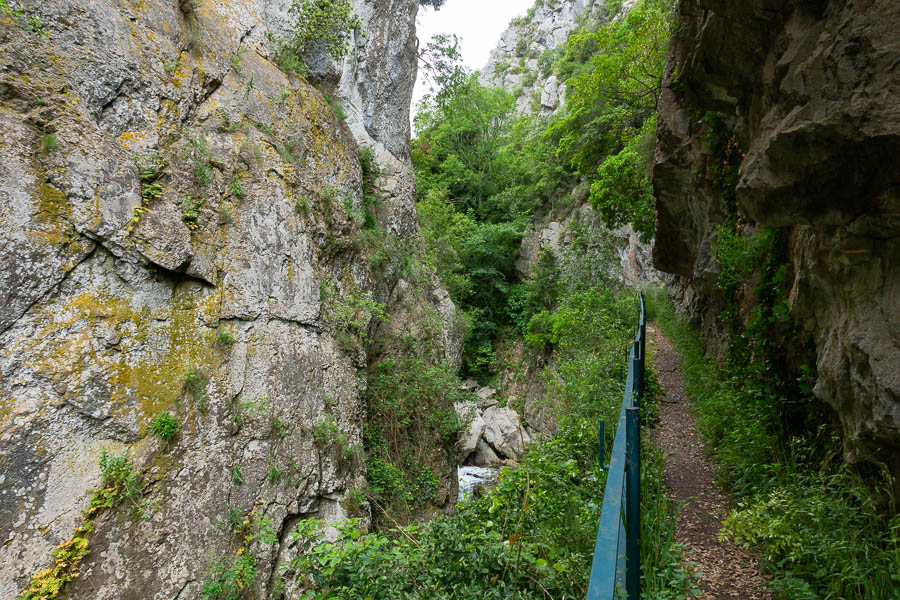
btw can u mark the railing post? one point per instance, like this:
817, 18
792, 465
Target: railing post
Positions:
633, 502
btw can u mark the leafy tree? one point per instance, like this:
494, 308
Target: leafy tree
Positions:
441, 61
328, 23
622, 192
615, 86
460, 145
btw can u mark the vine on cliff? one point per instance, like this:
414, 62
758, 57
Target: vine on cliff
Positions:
120, 482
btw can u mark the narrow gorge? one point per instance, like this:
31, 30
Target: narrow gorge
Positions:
259, 313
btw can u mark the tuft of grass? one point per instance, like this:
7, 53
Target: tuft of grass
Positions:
224, 337
274, 473
195, 383
236, 475
335, 107
49, 143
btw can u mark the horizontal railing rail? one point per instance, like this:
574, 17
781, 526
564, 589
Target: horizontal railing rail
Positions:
616, 569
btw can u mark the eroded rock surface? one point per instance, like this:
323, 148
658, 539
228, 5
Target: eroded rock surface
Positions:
171, 202
808, 93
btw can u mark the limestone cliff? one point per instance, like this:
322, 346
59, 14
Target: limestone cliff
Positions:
523, 63
522, 60
806, 93
181, 231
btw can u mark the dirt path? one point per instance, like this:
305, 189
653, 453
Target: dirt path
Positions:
726, 572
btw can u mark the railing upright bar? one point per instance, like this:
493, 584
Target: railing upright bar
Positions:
633, 502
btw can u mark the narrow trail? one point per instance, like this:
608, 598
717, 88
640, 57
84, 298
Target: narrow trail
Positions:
725, 571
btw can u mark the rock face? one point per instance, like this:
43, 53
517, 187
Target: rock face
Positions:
807, 91
180, 233
630, 259
521, 61
495, 434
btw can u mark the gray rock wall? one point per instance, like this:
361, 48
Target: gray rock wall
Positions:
113, 290
808, 92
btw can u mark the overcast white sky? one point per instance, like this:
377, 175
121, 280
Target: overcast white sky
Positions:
478, 23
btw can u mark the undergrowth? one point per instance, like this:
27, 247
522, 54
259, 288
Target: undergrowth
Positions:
532, 535
823, 530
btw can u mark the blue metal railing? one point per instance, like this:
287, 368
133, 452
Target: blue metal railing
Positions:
616, 567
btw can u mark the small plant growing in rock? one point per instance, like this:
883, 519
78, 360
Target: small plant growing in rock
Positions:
274, 474
237, 187
226, 217
49, 144
279, 428
224, 338
335, 107
119, 478
283, 96
195, 383
325, 430
236, 475
164, 426
301, 203
190, 212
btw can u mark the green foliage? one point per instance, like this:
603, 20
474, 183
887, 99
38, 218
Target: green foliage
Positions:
352, 312
286, 58
411, 423
228, 579
622, 191
237, 476
459, 146
325, 23
335, 107
224, 337
190, 212
274, 473
49, 143
325, 430
119, 480
164, 426
820, 527
195, 383
237, 187
30, 23
441, 65
279, 428
614, 86
301, 203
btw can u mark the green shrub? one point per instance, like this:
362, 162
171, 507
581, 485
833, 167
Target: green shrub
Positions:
328, 23
817, 524
164, 426
229, 579
119, 479
325, 430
